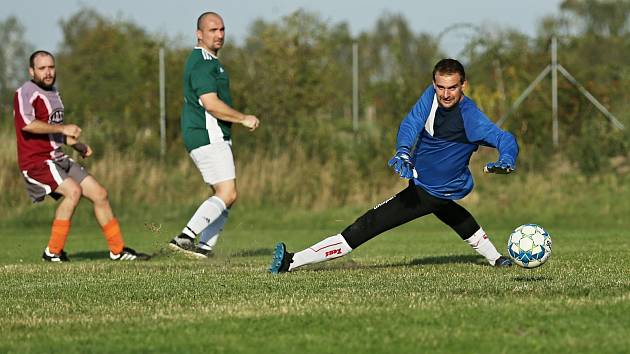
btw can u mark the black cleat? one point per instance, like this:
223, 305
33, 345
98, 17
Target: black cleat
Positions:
186, 244
129, 254
203, 250
53, 257
503, 262
281, 259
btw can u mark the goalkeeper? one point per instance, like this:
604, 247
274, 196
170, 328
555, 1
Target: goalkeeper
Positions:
434, 144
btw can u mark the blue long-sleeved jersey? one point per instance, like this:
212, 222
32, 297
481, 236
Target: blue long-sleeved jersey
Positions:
444, 140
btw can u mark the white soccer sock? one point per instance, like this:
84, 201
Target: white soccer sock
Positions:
330, 248
210, 235
480, 242
206, 214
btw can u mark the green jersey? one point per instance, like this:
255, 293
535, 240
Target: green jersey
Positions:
203, 74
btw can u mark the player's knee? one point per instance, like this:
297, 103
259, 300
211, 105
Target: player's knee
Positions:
365, 221
360, 231
100, 195
231, 197
227, 193
74, 193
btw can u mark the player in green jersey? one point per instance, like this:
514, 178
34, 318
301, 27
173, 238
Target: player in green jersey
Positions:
206, 121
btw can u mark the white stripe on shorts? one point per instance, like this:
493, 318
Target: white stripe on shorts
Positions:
32, 181
54, 172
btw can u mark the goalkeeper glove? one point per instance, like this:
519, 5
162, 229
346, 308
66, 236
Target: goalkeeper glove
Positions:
499, 167
402, 165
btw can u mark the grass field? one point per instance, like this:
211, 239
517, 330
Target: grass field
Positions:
416, 289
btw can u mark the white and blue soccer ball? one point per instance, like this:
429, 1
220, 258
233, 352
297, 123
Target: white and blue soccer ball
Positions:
529, 246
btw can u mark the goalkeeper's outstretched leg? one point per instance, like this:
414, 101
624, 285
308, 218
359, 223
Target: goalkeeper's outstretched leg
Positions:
403, 207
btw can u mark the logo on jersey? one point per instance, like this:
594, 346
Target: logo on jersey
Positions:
333, 252
56, 117
221, 70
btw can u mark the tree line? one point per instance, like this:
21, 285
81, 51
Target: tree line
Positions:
296, 74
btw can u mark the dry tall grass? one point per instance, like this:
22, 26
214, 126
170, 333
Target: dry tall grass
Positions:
290, 179
295, 179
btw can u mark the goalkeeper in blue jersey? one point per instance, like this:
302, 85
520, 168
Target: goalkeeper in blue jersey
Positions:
434, 144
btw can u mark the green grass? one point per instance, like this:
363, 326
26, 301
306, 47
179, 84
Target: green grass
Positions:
416, 289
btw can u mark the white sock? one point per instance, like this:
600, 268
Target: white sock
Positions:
480, 242
206, 214
330, 248
210, 235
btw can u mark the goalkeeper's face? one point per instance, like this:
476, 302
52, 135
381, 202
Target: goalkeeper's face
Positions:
449, 89
212, 33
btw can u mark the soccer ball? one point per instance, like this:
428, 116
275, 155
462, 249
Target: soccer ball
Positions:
529, 246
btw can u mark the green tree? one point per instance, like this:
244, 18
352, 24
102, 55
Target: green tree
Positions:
108, 74
396, 66
294, 74
594, 47
14, 53
604, 18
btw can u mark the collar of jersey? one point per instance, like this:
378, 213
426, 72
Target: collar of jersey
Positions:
205, 51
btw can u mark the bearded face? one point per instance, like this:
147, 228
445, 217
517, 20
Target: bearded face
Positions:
43, 71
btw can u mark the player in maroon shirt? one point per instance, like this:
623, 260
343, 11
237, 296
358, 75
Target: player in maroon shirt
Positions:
47, 170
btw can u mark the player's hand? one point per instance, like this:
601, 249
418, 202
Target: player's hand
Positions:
499, 167
71, 130
251, 122
402, 165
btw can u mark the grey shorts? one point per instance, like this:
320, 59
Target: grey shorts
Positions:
44, 179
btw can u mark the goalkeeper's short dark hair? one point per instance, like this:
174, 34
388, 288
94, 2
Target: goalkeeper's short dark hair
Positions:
450, 66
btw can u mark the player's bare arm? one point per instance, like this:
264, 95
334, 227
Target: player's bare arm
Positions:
39, 127
213, 104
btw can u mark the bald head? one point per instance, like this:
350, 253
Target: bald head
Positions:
210, 32
207, 16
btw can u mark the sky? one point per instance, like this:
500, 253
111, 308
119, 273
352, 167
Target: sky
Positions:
177, 18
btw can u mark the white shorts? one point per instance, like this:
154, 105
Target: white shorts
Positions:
215, 162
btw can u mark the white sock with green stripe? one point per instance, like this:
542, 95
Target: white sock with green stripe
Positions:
480, 242
206, 214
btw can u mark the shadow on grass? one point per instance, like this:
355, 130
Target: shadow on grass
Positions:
436, 260
98, 255
454, 259
90, 255
531, 278
256, 252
